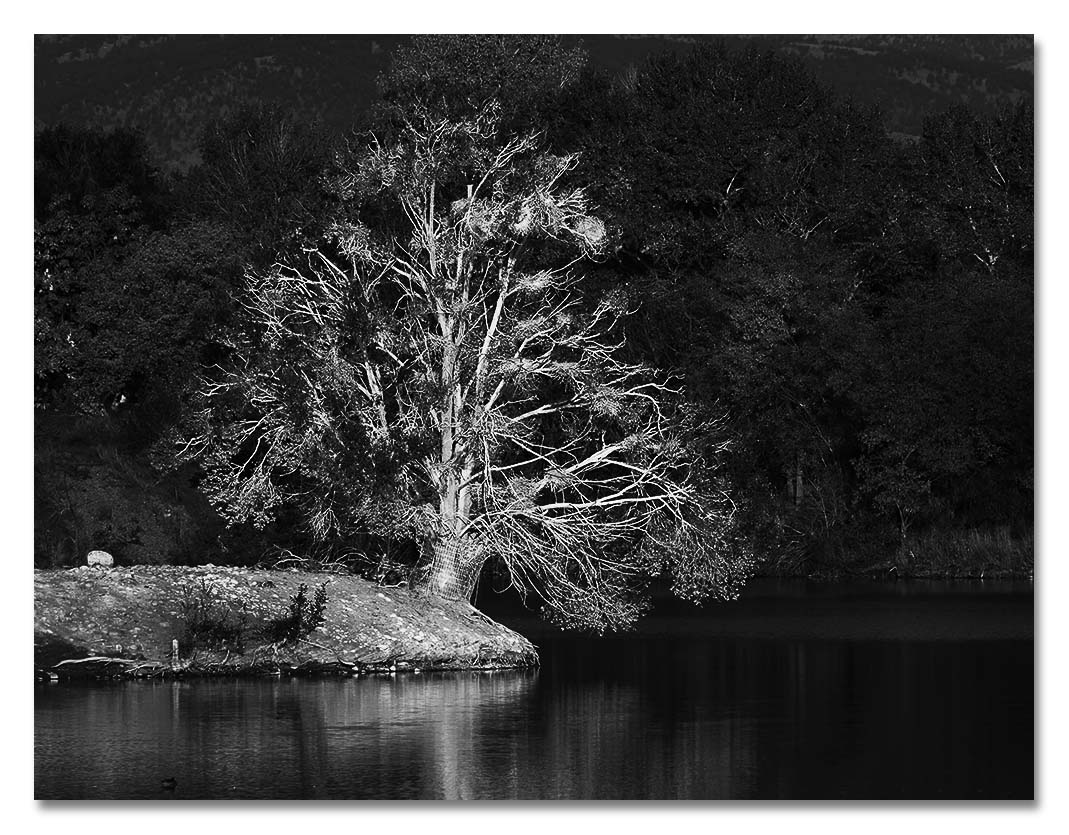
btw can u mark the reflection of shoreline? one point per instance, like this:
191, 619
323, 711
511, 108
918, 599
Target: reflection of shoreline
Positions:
367, 701
401, 736
647, 718
619, 740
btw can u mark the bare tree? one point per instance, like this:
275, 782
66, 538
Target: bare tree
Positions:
434, 373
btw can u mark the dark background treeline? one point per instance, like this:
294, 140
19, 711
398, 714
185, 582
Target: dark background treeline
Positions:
860, 309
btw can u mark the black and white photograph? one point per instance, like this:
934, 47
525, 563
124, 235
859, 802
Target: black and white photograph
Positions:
534, 417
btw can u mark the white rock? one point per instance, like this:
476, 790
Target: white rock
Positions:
101, 559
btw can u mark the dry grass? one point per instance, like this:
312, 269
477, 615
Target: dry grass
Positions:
976, 552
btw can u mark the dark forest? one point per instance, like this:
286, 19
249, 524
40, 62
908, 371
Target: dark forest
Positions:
844, 319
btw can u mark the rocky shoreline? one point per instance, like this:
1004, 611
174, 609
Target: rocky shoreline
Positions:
126, 622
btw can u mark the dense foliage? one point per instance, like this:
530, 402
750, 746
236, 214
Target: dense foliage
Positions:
862, 309
857, 312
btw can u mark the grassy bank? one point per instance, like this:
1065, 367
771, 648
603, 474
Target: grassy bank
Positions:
969, 553
946, 553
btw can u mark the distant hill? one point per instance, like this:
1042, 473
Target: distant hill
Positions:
911, 76
171, 86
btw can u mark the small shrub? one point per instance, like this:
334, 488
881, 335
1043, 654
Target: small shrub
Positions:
303, 617
210, 622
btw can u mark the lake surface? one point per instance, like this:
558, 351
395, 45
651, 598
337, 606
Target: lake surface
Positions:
798, 691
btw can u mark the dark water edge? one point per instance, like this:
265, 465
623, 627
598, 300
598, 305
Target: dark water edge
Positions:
795, 692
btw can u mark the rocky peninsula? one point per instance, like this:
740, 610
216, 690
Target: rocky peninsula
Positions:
211, 620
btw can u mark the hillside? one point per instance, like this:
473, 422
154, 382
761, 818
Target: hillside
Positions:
171, 86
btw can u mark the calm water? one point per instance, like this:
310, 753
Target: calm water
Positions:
907, 691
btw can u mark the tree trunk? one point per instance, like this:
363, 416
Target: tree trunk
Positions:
450, 568
451, 562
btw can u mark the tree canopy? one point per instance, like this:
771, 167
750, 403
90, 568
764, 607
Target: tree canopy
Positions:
432, 375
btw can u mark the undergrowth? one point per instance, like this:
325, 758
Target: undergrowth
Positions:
868, 549
975, 552
211, 623
303, 616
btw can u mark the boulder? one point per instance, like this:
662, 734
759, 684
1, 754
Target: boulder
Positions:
100, 559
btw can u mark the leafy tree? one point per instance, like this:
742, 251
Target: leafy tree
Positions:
431, 374
75, 165
944, 385
978, 178
121, 312
944, 376
260, 177
94, 199
145, 326
747, 198
454, 76
694, 150
124, 300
